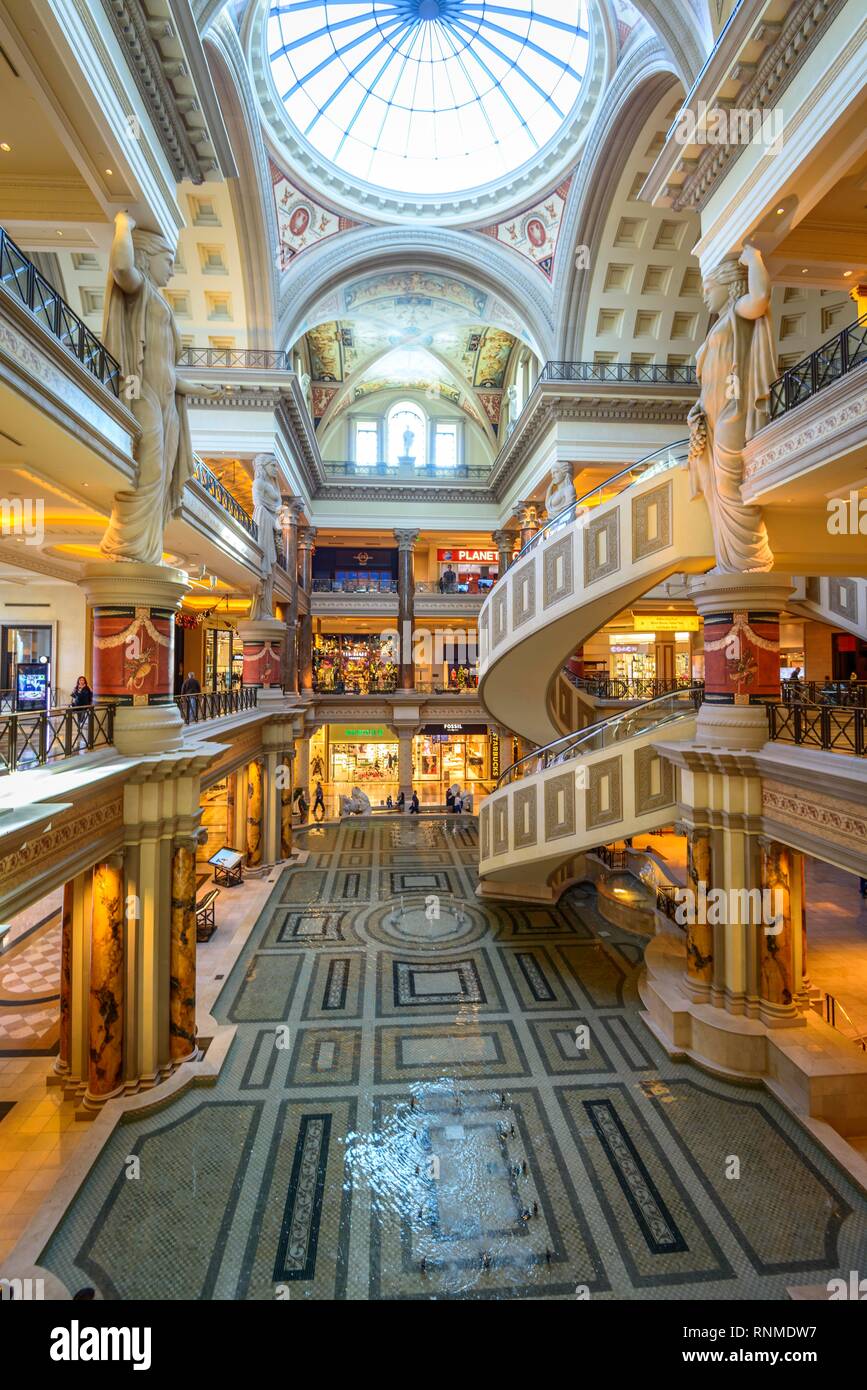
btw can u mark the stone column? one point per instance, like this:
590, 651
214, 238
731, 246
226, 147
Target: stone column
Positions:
271, 815
306, 546
292, 514
404, 761
699, 933
505, 543
742, 655
238, 828
254, 813
779, 935
182, 953
406, 540
529, 520
106, 1007
133, 608
64, 1050
286, 791
263, 642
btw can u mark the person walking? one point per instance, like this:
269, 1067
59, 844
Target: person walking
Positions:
319, 801
413, 805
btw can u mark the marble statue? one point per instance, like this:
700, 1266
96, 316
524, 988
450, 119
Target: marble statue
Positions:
356, 805
139, 330
267, 505
408, 438
512, 397
561, 490
735, 367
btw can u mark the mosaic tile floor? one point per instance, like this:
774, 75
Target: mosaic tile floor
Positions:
431, 1097
29, 985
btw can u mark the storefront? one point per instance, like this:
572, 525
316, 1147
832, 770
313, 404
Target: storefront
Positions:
353, 663
223, 653
470, 570
663, 652
354, 571
452, 753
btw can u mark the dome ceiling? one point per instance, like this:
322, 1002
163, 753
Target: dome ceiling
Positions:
428, 108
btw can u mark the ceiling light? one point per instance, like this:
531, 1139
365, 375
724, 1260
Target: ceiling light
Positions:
846, 274
780, 211
59, 234
805, 272
7, 149
109, 171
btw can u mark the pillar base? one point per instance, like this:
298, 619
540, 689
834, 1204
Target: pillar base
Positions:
739, 727
140, 730
263, 640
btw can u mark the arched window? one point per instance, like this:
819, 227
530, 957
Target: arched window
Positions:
407, 434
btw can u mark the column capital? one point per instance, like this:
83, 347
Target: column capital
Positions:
307, 538
406, 538
503, 538
527, 513
292, 509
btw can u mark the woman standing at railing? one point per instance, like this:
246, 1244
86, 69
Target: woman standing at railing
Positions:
82, 697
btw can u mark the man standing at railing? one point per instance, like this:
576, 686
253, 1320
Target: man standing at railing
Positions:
191, 685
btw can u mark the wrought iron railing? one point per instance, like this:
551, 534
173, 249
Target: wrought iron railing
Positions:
669, 456
214, 488
636, 373
845, 694
835, 729
32, 738
666, 902
614, 688
263, 359
352, 586
26, 285
612, 857
213, 704
834, 359
351, 468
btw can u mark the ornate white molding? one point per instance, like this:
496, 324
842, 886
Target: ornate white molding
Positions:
828, 425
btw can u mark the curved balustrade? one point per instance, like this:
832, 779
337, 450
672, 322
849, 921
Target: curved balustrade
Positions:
841, 354
615, 688
597, 737
214, 488
213, 704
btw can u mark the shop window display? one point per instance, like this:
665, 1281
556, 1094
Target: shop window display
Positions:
352, 664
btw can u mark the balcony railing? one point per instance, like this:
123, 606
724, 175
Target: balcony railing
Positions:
819, 726
843, 694
405, 473
354, 586
214, 488
635, 373
213, 704
24, 283
33, 738
827, 364
614, 688
263, 359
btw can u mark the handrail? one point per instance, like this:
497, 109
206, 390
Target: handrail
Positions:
637, 373
831, 727
213, 704
569, 743
351, 468
825, 365
840, 694
645, 469
617, 688
832, 1004
24, 283
221, 494
268, 359
31, 738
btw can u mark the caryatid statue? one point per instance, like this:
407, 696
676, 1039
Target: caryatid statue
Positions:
267, 506
561, 490
735, 367
139, 330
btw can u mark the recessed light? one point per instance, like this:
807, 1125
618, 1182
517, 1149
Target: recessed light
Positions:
780, 211
805, 272
7, 149
59, 234
846, 274
109, 171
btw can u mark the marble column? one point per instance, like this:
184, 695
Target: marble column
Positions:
64, 1051
286, 805
292, 514
105, 1013
271, 808
182, 953
505, 543
779, 940
306, 546
238, 827
528, 519
302, 766
699, 932
741, 615
406, 540
133, 609
404, 761
254, 813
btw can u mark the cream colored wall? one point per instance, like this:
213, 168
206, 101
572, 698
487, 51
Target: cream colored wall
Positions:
64, 605
335, 440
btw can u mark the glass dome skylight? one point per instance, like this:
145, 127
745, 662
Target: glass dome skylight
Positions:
428, 97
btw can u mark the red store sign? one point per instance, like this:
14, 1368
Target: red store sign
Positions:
469, 557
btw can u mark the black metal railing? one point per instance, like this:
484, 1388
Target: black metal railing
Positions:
354, 586
32, 738
837, 730
214, 488
263, 359
406, 472
844, 694
666, 902
612, 857
842, 354
615, 688
26, 285
213, 704
838, 1016
636, 373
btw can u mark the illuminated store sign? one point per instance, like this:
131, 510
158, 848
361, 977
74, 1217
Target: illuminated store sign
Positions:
666, 622
469, 557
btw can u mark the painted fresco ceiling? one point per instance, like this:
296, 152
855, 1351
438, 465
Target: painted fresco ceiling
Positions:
416, 330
